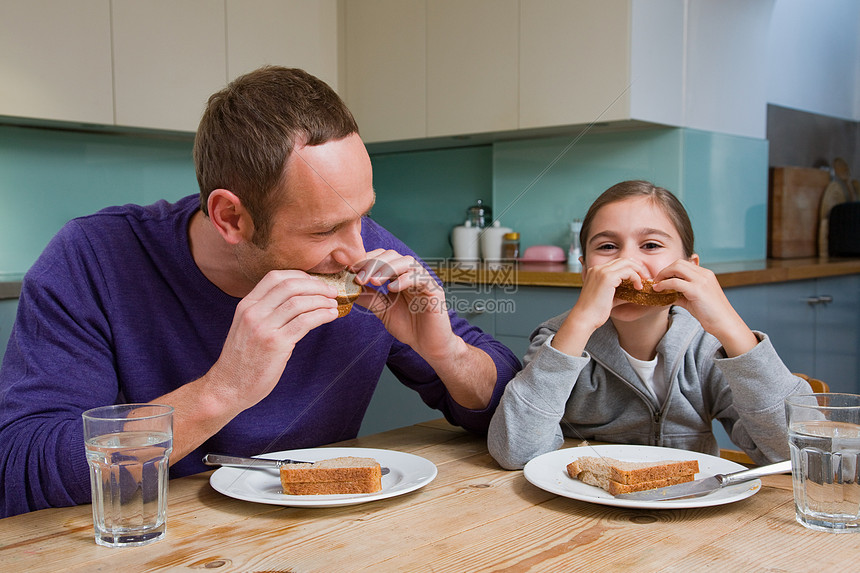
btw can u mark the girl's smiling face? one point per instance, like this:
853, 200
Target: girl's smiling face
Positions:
635, 228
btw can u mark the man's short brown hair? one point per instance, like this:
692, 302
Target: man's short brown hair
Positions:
249, 129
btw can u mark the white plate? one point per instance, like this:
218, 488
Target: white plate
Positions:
549, 472
263, 485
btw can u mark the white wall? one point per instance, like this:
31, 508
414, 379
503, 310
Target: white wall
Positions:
814, 57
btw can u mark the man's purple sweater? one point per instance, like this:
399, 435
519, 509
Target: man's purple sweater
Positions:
116, 310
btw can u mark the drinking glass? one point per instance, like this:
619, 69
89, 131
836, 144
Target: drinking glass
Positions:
128, 448
824, 438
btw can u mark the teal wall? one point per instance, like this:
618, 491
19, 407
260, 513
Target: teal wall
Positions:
421, 196
535, 186
540, 186
48, 177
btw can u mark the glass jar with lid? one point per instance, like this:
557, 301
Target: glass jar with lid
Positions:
511, 246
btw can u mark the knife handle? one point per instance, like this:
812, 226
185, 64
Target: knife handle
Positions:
221, 460
754, 473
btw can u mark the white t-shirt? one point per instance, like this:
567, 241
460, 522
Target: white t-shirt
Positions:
651, 373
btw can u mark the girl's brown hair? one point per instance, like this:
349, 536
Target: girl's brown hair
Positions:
249, 129
658, 195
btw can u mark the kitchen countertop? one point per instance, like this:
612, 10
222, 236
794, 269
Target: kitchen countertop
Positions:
735, 274
10, 289
742, 273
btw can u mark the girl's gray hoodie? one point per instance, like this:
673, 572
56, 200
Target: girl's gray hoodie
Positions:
598, 396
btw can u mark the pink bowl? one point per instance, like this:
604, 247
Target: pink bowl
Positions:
544, 254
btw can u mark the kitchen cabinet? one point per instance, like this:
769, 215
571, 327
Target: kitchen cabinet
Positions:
452, 68
574, 62
522, 309
171, 56
417, 69
55, 60
432, 68
813, 324
151, 64
168, 58
292, 33
472, 54
385, 68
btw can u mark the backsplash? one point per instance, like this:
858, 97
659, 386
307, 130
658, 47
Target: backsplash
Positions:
538, 186
535, 186
49, 176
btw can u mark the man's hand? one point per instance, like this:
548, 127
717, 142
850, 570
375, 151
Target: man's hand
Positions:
268, 323
415, 312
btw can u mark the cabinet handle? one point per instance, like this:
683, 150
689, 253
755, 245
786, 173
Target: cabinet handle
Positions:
478, 308
822, 299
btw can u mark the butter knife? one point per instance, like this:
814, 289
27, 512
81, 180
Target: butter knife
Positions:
251, 463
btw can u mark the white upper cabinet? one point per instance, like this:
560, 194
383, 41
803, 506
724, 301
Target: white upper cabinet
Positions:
385, 63
168, 58
430, 68
55, 60
419, 68
291, 33
408, 69
472, 58
151, 64
574, 62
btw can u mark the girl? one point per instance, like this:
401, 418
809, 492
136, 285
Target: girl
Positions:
614, 371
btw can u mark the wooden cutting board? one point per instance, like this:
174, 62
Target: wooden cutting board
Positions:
794, 211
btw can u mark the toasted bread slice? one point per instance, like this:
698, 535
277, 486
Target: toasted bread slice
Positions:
332, 476
347, 289
616, 476
647, 296
616, 488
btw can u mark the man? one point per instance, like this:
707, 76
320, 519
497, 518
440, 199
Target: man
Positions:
207, 305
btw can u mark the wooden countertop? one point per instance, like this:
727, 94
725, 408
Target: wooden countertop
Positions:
743, 273
473, 517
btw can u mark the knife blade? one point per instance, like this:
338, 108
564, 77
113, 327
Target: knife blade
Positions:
252, 463
706, 485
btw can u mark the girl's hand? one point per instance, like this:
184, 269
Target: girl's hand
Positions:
706, 301
595, 303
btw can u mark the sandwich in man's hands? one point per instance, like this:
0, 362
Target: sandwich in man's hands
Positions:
619, 477
647, 296
347, 289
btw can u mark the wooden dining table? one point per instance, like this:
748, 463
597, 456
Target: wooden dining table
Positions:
474, 516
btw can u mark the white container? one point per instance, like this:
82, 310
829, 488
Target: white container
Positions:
575, 249
491, 242
465, 241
